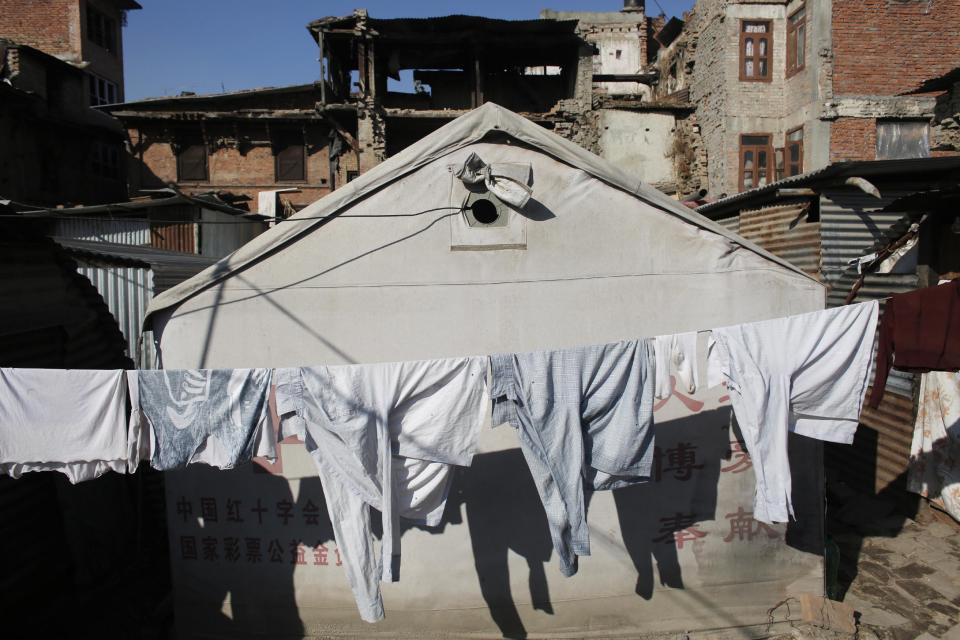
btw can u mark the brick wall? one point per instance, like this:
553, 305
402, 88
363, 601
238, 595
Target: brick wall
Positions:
853, 139
247, 173
886, 47
49, 25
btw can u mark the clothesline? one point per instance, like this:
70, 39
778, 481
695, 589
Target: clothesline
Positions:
584, 417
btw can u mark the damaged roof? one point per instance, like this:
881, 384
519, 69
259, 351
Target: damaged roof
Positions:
447, 27
184, 99
156, 199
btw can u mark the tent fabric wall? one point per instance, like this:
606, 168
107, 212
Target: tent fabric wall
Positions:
487, 120
599, 264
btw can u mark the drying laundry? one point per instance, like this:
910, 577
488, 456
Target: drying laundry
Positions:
384, 436
920, 331
71, 421
218, 417
140, 443
583, 415
805, 373
678, 353
935, 453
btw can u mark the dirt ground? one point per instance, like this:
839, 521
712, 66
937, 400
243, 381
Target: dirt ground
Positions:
900, 574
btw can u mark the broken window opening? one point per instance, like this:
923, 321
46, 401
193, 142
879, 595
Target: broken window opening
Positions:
289, 156
900, 139
192, 161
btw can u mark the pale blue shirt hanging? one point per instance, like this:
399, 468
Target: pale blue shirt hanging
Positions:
584, 415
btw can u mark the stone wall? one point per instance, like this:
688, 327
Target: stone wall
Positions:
945, 133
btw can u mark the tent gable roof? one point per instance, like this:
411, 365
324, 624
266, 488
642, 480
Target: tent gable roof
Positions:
489, 119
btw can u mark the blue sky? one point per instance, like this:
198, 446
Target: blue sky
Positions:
208, 46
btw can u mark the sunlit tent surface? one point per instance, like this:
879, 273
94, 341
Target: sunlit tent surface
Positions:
390, 268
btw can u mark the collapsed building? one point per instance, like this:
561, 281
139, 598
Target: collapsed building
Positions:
386, 83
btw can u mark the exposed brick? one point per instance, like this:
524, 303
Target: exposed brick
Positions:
886, 47
241, 170
42, 24
853, 139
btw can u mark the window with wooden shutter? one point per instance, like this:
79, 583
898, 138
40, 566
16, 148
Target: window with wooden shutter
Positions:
289, 157
192, 161
756, 50
756, 161
794, 160
796, 41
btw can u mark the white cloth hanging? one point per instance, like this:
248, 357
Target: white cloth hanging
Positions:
805, 373
68, 420
384, 436
678, 353
935, 453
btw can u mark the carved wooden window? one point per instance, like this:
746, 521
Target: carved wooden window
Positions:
756, 160
796, 41
756, 50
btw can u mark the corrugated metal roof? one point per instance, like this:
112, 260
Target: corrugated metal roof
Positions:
142, 256
864, 168
170, 268
159, 198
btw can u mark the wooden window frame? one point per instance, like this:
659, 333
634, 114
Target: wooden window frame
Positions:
102, 29
206, 161
793, 39
786, 152
278, 146
756, 57
771, 164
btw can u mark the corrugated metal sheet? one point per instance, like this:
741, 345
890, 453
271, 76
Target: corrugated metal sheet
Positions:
851, 224
174, 236
169, 267
732, 223
127, 290
219, 240
117, 230
174, 228
785, 232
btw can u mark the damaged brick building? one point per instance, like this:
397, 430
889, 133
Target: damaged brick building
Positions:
58, 58
785, 87
386, 83
244, 143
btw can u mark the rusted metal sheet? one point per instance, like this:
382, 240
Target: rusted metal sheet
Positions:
785, 232
173, 236
852, 223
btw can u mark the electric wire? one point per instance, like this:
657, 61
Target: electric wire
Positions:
45, 215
